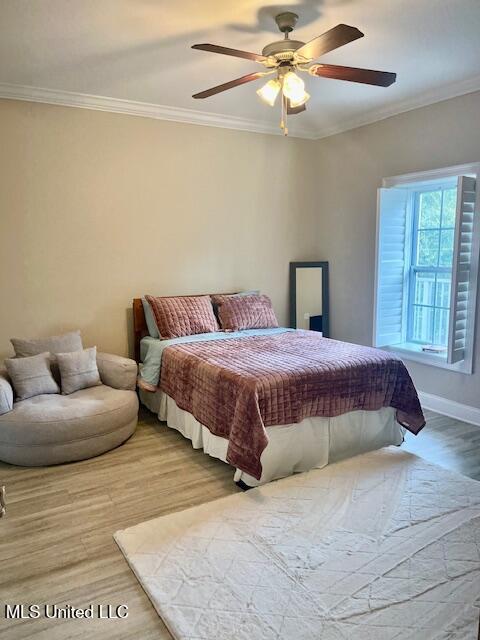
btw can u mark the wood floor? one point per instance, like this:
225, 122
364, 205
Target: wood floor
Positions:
448, 443
56, 542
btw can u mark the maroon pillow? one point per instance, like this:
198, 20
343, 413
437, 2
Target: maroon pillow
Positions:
183, 315
245, 312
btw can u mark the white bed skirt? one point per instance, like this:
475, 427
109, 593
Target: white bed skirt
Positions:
292, 448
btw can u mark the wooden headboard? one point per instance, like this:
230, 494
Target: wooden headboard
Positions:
140, 329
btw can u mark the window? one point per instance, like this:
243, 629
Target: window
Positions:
427, 265
431, 266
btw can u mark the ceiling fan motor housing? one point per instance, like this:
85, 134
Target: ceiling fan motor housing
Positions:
282, 49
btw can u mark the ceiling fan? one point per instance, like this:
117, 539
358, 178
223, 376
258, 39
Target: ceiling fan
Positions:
284, 58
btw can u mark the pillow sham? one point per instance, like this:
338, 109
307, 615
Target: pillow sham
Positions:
78, 370
252, 292
183, 315
245, 312
31, 376
150, 320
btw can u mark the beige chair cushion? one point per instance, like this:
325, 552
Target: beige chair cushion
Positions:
64, 343
116, 371
31, 376
6, 393
49, 429
78, 370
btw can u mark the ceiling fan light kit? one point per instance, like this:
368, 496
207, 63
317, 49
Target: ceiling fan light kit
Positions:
269, 92
285, 58
294, 89
301, 101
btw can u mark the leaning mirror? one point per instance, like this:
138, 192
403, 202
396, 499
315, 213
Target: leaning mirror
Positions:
309, 296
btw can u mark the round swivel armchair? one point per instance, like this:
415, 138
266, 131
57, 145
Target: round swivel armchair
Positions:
52, 428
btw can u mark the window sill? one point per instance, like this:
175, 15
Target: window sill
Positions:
413, 352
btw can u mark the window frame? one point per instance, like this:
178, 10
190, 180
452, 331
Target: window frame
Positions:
413, 268
411, 351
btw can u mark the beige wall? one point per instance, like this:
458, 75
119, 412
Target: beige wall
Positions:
97, 208
350, 168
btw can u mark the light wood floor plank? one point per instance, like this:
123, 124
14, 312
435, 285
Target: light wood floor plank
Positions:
56, 543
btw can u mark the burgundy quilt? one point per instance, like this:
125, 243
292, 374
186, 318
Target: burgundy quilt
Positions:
238, 387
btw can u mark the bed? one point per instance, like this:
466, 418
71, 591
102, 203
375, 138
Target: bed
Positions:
272, 402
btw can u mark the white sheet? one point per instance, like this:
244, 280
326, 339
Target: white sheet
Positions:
383, 546
312, 443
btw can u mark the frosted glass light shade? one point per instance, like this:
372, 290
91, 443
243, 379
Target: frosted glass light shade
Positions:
269, 92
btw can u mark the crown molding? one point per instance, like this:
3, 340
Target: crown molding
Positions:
191, 116
142, 109
423, 100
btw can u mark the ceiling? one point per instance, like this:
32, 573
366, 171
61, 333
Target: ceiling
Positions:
139, 50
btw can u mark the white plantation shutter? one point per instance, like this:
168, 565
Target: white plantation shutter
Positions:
391, 279
462, 302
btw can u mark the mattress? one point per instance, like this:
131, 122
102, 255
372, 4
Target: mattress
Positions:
310, 444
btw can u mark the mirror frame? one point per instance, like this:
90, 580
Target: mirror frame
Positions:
293, 294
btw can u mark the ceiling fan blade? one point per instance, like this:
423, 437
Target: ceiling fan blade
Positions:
292, 111
330, 40
352, 74
229, 85
215, 48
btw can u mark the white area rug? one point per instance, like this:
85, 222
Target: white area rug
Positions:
379, 547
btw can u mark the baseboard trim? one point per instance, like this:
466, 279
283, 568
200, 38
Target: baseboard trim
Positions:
450, 408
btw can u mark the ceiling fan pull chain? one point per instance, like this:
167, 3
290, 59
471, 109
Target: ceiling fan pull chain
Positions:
283, 124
